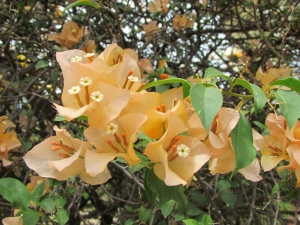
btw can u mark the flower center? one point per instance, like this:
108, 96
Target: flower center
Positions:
174, 151
97, 96
76, 59
68, 151
112, 128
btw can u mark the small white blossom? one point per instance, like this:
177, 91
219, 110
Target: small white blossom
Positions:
85, 81
76, 59
87, 55
183, 150
97, 96
112, 128
74, 90
132, 78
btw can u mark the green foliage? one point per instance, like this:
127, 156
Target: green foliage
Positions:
15, 192
207, 102
259, 96
242, 142
289, 103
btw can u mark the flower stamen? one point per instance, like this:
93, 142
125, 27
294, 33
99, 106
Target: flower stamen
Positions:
173, 142
97, 96
123, 135
108, 141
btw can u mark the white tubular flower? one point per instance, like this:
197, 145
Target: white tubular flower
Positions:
85, 81
87, 55
112, 128
183, 150
74, 90
133, 79
97, 96
76, 59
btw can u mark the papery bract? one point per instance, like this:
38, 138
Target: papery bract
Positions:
115, 140
169, 166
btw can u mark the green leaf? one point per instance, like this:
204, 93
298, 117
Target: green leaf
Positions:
190, 222
293, 194
186, 90
30, 217
242, 142
62, 217
47, 204
223, 185
129, 222
15, 192
275, 189
206, 220
291, 82
60, 202
151, 194
85, 195
165, 193
167, 208
145, 214
199, 198
181, 200
186, 84
83, 3
192, 210
27, 145
229, 198
289, 103
179, 217
136, 168
259, 96
207, 102
41, 64
59, 118
38, 192
212, 72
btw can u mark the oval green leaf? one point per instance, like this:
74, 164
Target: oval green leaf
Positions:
30, 217
15, 192
289, 103
47, 204
190, 222
291, 82
212, 72
38, 192
259, 96
242, 143
207, 102
62, 217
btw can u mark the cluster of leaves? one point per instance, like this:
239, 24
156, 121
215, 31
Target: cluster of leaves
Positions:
232, 36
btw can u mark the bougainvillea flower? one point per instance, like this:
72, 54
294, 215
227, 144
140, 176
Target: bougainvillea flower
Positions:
145, 66
84, 94
156, 106
60, 157
219, 142
177, 157
113, 54
115, 140
8, 140
151, 29
70, 35
273, 149
89, 46
272, 75
183, 21
17, 220
158, 6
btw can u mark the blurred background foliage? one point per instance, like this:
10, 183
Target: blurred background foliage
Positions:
234, 36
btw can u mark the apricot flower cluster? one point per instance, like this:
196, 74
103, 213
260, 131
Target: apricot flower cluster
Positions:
107, 90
